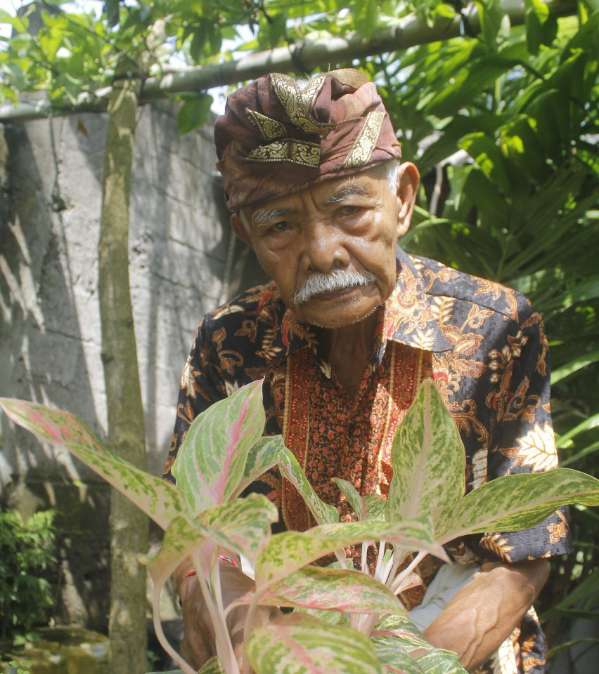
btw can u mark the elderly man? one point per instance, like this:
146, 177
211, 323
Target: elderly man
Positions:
348, 328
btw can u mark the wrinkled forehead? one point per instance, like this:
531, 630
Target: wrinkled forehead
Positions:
334, 191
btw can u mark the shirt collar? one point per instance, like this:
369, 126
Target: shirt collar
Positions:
410, 316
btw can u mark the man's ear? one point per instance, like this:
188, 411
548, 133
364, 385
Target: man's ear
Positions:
239, 227
408, 180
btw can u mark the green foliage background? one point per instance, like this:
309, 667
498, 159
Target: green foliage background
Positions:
503, 125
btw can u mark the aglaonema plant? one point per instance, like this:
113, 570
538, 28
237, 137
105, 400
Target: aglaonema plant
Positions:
344, 620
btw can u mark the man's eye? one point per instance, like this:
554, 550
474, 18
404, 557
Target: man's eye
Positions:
281, 226
346, 211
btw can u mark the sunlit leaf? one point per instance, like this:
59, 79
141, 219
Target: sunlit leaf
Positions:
305, 646
332, 589
262, 456
159, 499
428, 460
515, 502
291, 470
211, 460
290, 551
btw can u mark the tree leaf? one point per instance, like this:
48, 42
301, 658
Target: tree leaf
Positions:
158, 498
428, 460
305, 646
291, 550
515, 502
211, 460
193, 113
487, 155
332, 589
573, 366
291, 470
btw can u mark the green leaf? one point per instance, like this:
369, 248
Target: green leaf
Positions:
112, 11
351, 494
305, 646
428, 460
402, 647
262, 457
159, 499
573, 366
193, 113
212, 666
515, 502
290, 551
211, 460
565, 440
291, 470
243, 525
487, 155
332, 589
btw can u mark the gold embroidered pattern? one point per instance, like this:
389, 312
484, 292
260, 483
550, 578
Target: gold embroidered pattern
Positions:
269, 128
298, 99
294, 151
365, 142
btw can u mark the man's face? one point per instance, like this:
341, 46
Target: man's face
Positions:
331, 248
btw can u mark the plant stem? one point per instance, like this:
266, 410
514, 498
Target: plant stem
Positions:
379, 560
364, 561
224, 648
186, 668
397, 582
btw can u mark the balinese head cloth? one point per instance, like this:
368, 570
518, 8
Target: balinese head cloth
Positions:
279, 134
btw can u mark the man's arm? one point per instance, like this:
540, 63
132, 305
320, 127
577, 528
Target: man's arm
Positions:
485, 612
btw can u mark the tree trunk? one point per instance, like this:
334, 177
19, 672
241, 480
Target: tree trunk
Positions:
128, 525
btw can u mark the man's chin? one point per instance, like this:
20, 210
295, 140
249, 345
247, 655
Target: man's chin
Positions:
334, 320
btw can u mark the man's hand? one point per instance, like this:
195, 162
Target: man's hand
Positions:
485, 612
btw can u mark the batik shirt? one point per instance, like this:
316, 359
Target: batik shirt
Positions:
482, 344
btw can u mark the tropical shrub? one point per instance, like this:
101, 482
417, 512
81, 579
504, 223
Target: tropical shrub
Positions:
26, 553
224, 452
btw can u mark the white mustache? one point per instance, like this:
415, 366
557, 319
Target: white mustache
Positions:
340, 279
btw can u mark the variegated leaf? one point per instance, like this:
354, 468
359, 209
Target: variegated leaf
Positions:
212, 666
374, 507
211, 460
261, 457
242, 526
159, 499
291, 470
180, 539
402, 648
351, 494
290, 551
331, 589
515, 502
306, 646
428, 460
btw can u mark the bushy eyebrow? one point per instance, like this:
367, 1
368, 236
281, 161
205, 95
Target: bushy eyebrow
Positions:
347, 191
262, 216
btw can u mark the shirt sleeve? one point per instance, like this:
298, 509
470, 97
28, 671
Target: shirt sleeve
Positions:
523, 440
202, 384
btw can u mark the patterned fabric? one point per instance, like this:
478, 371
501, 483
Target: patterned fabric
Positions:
484, 346
329, 125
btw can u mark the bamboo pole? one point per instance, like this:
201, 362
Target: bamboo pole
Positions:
302, 56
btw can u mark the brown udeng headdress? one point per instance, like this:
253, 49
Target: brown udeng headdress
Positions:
279, 133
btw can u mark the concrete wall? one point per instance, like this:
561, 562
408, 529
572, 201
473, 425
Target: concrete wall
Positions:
50, 191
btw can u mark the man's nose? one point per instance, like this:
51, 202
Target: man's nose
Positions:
323, 250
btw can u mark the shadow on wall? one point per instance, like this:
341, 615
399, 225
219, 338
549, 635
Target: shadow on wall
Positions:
43, 357
184, 262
